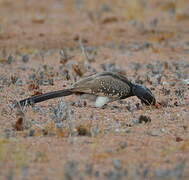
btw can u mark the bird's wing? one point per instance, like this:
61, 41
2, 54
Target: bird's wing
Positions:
103, 84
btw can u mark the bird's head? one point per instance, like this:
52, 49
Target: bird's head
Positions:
144, 94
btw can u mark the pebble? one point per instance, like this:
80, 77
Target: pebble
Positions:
144, 119
155, 133
25, 58
123, 145
117, 164
185, 81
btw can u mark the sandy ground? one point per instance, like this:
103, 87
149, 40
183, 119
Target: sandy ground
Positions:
47, 45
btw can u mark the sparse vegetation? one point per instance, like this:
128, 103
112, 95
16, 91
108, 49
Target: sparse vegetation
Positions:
48, 45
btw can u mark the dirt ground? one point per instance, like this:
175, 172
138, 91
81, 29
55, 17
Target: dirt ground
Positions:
47, 45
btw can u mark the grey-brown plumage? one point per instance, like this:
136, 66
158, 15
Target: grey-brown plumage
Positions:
106, 86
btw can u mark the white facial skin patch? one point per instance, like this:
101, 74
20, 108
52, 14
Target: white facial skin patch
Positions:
101, 101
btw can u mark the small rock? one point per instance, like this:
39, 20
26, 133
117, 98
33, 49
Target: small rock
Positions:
178, 139
185, 81
144, 119
154, 133
19, 82
25, 58
83, 131
45, 132
135, 121
162, 130
117, 164
123, 145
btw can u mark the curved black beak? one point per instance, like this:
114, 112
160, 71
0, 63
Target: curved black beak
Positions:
144, 94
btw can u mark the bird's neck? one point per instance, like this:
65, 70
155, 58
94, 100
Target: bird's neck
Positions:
134, 88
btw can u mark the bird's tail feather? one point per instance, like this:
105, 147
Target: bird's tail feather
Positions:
44, 97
